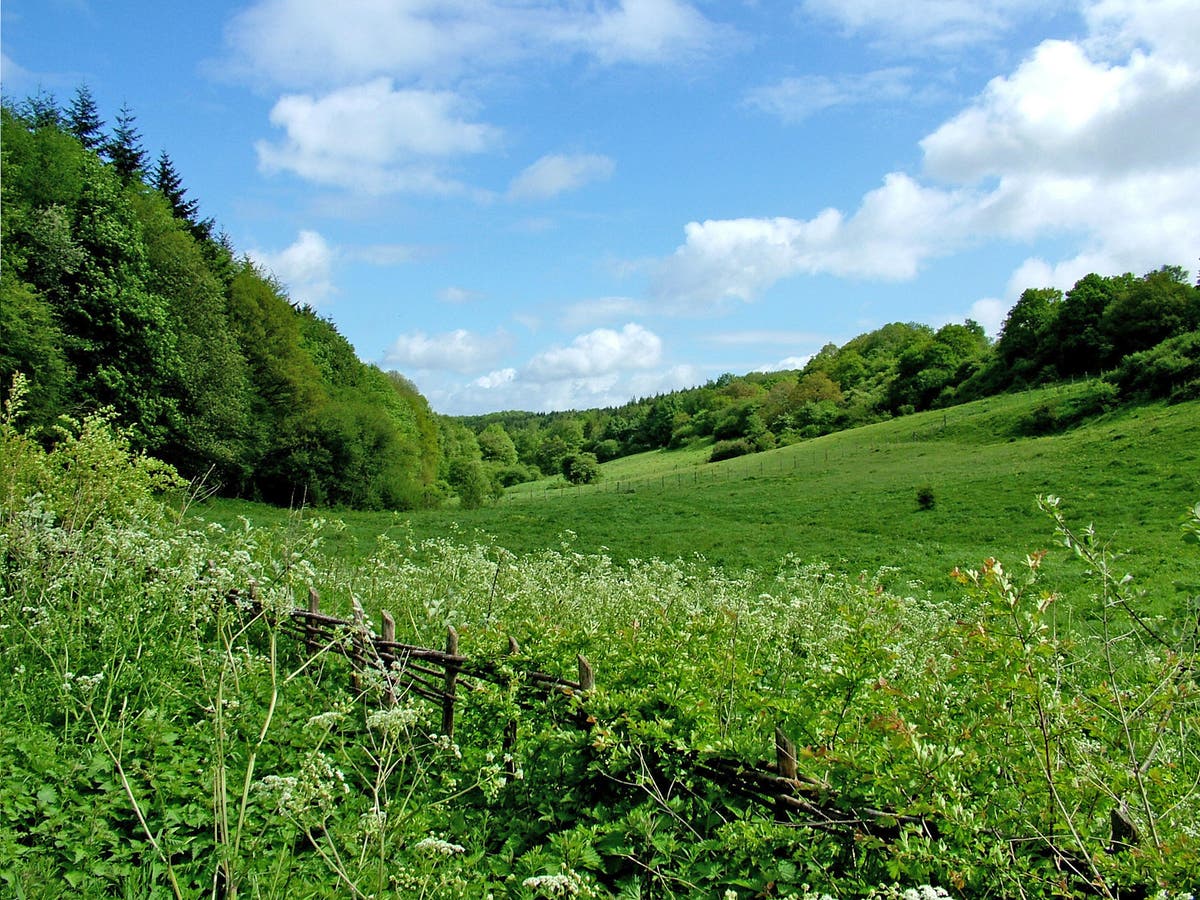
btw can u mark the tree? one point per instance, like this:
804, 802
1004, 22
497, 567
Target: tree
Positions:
467, 478
1026, 343
41, 111
1081, 344
495, 446
169, 183
1159, 305
124, 149
83, 119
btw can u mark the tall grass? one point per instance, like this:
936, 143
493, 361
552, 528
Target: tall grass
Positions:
159, 741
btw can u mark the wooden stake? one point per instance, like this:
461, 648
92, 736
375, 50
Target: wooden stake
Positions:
311, 639
785, 759
587, 678
451, 682
389, 635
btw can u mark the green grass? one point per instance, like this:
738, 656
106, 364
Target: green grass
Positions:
849, 499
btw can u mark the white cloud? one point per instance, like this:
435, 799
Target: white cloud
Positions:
557, 174
1063, 113
315, 43
457, 351
896, 228
374, 138
1095, 152
597, 353
918, 26
457, 295
645, 31
795, 99
304, 268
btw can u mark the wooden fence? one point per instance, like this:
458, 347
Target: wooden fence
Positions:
779, 787
435, 674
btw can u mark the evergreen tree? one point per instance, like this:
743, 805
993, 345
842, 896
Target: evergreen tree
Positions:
125, 149
83, 119
41, 110
170, 185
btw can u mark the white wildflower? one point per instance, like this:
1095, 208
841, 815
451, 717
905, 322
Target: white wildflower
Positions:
438, 847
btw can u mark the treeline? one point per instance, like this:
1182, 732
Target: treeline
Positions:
114, 292
1140, 333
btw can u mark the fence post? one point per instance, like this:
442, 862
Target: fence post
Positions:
310, 627
357, 643
451, 682
389, 636
510, 727
587, 678
785, 760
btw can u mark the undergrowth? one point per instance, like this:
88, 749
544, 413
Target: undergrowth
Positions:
159, 740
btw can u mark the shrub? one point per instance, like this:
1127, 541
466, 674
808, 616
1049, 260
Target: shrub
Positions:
581, 468
925, 497
1162, 370
729, 449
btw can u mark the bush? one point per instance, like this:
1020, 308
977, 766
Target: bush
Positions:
729, 449
581, 468
1162, 371
925, 497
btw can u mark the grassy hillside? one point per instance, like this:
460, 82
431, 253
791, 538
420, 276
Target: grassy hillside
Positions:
160, 740
849, 499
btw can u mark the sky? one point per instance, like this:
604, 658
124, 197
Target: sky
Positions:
525, 204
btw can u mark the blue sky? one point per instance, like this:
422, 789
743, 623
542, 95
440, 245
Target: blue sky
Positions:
543, 205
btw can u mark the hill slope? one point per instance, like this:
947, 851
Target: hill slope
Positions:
849, 498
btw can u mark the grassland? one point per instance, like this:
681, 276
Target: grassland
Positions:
849, 499
159, 740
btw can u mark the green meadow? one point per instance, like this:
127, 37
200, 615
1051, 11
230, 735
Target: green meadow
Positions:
1026, 728
849, 499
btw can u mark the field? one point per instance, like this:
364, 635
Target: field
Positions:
849, 499
787, 692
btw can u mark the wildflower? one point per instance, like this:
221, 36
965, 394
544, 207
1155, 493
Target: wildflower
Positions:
437, 846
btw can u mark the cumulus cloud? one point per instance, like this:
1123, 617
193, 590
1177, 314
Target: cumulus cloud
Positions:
896, 227
602, 367
456, 351
597, 353
374, 137
795, 99
304, 267
1071, 145
1063, 113
558, 173
318, 44
919, 26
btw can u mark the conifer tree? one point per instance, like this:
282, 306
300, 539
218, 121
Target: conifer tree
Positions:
170, 185
41, 110
83, 119
125, 149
